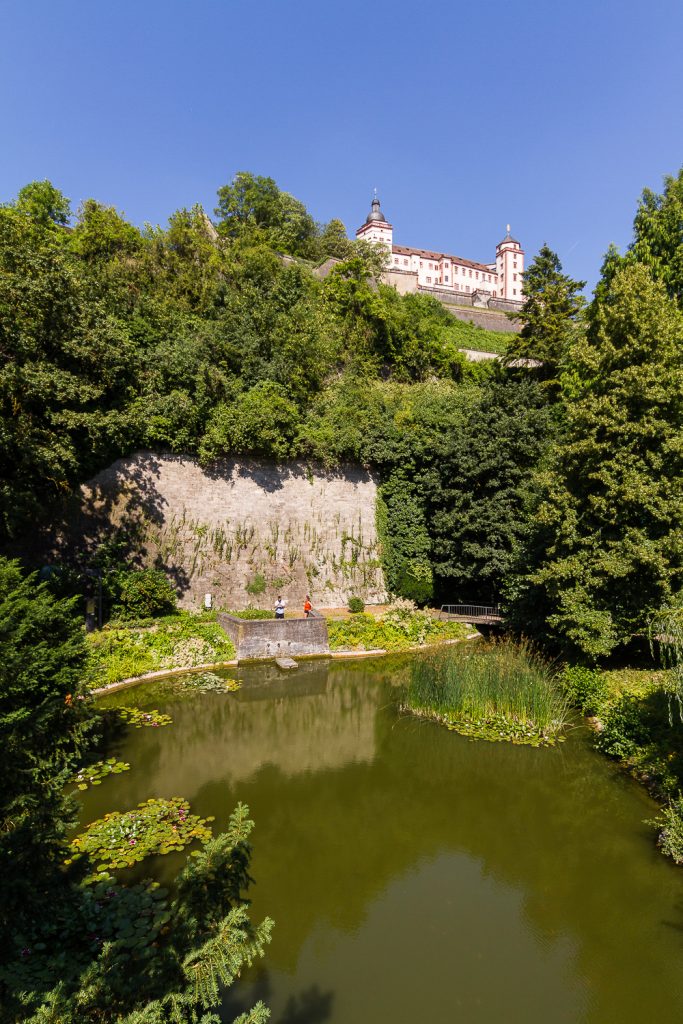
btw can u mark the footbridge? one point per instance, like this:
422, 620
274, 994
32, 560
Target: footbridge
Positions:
477, 614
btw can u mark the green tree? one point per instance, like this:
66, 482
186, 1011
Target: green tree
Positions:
476, 489
147, 961
608, 540
253, 207
44, 204
102, 233
658, 235
551, 309
45, 723
64, 361
261, 421
333, 241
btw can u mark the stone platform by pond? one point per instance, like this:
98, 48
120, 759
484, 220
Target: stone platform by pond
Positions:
276, 638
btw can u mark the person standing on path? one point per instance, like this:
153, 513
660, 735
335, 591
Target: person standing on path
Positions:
279, 608
308, 607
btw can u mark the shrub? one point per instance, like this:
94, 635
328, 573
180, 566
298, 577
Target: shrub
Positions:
252, 613
626, 728
143, 593
586, 688
356, 604
416, 581
670, 826
257, 585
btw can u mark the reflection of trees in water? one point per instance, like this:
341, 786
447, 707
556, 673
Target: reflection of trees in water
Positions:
348, 795
311, 1006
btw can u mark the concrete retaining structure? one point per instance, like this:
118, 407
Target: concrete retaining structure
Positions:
276, 638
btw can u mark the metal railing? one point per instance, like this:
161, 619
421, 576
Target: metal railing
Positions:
482, 612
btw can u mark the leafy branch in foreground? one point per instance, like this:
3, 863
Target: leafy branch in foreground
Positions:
152, 960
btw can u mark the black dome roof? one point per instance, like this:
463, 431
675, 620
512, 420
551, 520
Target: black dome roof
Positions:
375, 212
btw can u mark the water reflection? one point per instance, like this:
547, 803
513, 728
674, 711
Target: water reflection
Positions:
414, 875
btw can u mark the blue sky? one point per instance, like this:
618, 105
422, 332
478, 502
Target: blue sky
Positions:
465, 116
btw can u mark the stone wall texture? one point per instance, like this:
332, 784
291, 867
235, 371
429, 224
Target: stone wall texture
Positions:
242, 531
276, 638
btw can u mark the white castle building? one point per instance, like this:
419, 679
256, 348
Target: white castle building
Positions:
411, 269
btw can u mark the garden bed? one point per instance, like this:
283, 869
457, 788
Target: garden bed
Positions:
125, 651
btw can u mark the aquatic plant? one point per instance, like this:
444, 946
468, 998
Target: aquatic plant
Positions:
208, 682
498, 692
120, 839
93, 774
142, 719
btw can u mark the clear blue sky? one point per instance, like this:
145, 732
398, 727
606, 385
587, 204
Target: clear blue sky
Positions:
466, 116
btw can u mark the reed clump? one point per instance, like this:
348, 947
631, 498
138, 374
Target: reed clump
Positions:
499, 691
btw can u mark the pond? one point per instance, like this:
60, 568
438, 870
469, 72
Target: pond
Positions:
414, 875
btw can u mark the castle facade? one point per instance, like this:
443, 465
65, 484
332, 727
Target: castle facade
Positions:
452, 277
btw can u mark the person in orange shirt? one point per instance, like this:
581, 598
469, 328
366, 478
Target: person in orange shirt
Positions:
308, 607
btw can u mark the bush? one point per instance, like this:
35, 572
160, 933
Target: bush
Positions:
144, 593
586, 688
396, 631
416, 581
257, 585
627, 728
670, 826
252, 613
356, 604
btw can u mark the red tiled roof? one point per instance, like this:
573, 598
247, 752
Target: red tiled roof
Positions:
427, 254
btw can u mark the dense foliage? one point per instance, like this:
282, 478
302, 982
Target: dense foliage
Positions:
76, 945
401, 627
123, 650
558, 484
219, 339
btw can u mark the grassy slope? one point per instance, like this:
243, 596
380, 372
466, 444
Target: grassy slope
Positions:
466, 335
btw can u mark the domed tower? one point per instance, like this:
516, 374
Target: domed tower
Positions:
510, 268
376, 228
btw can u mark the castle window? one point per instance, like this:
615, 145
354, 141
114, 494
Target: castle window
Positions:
514, 291
446, 277
429, 280
470, 273
467, 287
476, 274
405, 263
514, 277
395, 259
420, 262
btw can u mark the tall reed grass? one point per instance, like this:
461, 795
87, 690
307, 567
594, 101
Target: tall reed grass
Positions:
493, 691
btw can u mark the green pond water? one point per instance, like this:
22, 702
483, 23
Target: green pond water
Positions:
413, 875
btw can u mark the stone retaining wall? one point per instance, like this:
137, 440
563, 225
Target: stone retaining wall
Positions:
276, 638
242, 531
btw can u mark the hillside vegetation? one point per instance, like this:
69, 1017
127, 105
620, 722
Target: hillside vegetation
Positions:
556, 488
